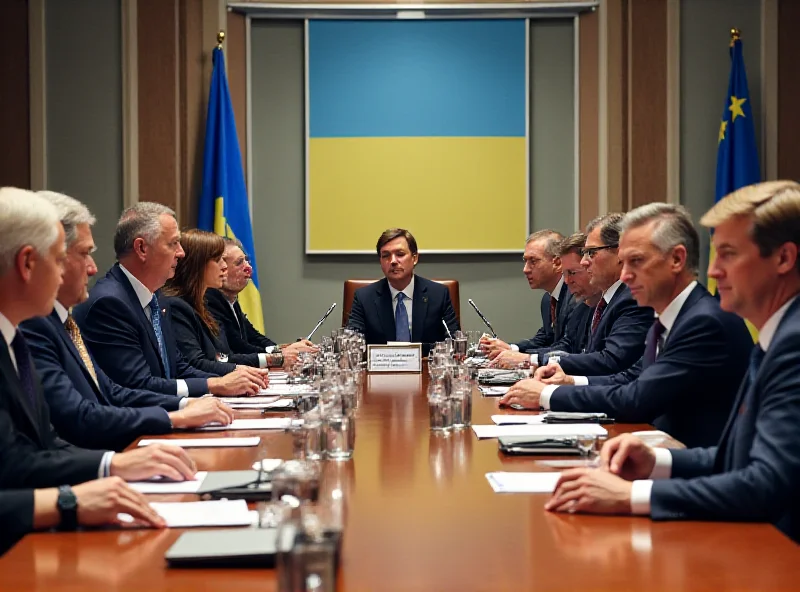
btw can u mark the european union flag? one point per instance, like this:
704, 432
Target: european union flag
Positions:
224, 207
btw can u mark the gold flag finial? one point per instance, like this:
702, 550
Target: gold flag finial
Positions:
736, 34
220, 39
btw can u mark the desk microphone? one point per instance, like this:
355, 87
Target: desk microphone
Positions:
322, 320
446, 328
483, 318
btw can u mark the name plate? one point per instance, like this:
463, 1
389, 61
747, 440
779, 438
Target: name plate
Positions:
394, 358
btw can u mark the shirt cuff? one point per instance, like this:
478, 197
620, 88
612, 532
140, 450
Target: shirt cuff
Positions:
183, 402
544, 398
105, 465
640, 497
534, 359
663, 466
262, 360
580, 380
183, 388
514, 347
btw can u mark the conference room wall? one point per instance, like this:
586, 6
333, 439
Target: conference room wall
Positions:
296, 288
84, 110
704, 70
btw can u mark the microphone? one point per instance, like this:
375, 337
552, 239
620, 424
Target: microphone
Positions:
322, 320
446, 328
483, 318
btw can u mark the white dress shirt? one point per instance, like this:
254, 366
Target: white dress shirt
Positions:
145, 296
408, 301
641, 490
554, 294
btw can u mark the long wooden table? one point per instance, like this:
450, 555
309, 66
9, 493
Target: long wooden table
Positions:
420, 515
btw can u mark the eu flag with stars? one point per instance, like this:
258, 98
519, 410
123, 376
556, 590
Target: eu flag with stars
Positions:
737, 155
224, 207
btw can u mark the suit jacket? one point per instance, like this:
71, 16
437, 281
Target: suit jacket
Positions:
16, 517
372, 313
88, 414
551, 332
31, 455
123, 343
688, 391
199, 345
618, 341
242, 337
753, 473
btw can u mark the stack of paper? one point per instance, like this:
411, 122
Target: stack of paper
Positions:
518, 419
211, 513
503, 482
286, 390
205, 442
493, 391
270, 423
165, 486
244, 404
547, 430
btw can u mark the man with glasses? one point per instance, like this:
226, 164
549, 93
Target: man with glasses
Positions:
242, 336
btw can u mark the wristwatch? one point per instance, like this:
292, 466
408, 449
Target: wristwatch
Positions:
67, 505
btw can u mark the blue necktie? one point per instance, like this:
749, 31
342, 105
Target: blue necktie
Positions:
155, 319
24, 368
756, 357
401, 330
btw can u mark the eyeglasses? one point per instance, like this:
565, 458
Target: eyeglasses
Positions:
590, 252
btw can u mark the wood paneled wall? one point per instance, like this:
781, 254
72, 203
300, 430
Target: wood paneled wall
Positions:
15, 164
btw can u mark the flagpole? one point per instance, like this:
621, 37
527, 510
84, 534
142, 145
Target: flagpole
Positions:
736, 35
220, 39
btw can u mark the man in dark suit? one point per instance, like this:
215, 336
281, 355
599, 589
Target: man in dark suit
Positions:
542, 269
125, 327
33, 456
403, 306
753, 473
86, 408
695, 355
241, 335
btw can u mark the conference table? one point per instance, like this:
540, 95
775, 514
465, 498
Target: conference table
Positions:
420, 515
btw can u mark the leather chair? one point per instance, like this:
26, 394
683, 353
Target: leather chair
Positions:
350, 287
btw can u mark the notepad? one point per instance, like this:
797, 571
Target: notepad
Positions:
518, 419
205, 442
269, 423
548, 430
503, 482
190, 486
279, 404
209, 513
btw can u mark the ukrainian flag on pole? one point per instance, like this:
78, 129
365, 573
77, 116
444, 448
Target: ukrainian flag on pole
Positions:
224, 207
737, 155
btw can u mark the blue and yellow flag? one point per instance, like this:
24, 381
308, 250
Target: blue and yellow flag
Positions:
737, 155
224, 207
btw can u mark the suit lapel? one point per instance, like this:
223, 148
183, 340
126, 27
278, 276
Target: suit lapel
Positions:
19, 397
383, 306
62, 333
420, 310
239, 320
694, 297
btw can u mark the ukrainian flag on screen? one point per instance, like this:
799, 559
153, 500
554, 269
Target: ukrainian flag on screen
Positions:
418, 124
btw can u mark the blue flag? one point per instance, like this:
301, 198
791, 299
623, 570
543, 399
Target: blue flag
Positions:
224, 207
737, 155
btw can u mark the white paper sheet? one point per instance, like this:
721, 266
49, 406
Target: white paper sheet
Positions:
284, 390
545, 429
210, 513
265, 400
503, 482
205, 442
170, 486
268, 423
279, 404
518, 419
493, 391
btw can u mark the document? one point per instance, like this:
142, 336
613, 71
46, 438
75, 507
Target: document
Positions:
269, 423
279, 404
211, 513
284, 390
518, 419
166, 486
503, 482
555, 430
493, 391
205, 442
235, 400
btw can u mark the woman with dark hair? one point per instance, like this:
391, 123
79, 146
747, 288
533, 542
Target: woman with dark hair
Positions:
199, 337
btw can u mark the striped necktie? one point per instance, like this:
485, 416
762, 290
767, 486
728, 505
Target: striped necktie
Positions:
75, 335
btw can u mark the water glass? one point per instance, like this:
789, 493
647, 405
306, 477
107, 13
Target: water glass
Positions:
461, 401
298, 479
459, 347
315, 437
340, 435
441, 413
586, 444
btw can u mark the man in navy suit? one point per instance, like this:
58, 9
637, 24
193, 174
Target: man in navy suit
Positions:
86, 407
695, 354
124, 325
402, 306
753, 473
542, 269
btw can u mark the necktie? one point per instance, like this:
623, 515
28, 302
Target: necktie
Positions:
155, 319
756, 357
652, 342
553, 304
24, 367
75, 334
598, 312
401, 330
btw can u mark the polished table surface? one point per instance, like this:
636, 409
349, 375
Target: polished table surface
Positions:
420, 515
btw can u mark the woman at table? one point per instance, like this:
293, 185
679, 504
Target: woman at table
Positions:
200, 338
94, 503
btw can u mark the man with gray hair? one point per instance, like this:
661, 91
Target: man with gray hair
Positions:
125, 326
86, 407
542, 269
695, 353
